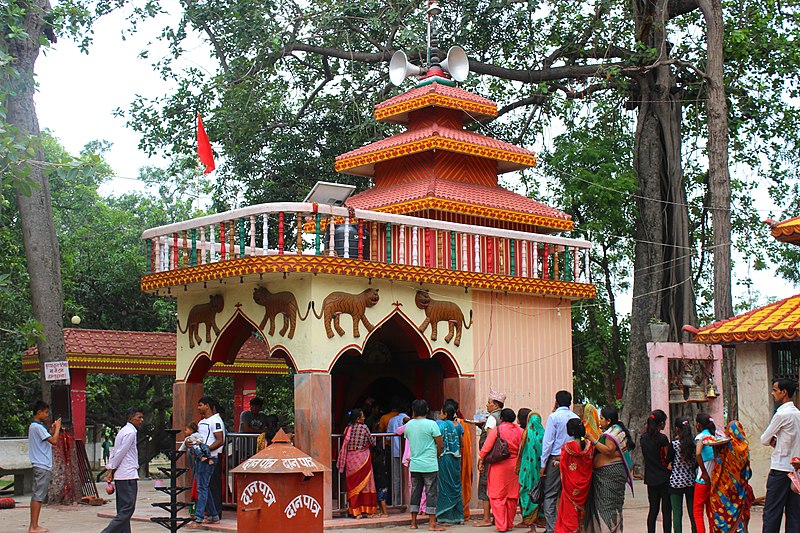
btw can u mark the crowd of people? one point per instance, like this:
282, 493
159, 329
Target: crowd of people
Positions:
570, 473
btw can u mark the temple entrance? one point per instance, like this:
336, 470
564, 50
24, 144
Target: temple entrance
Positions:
396, 363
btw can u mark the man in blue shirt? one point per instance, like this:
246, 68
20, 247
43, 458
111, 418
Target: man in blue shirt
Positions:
425, 439
40, 452
397, 454
555, 436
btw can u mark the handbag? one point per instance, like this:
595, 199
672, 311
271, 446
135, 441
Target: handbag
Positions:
499, 451
537, 492
794, 477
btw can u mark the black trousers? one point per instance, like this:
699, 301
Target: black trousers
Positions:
658, 496
215, 487
781, 500
127, 489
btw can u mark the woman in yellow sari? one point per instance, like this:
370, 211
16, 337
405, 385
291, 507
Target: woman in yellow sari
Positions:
730, 500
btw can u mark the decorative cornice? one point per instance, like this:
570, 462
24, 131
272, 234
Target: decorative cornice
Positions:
778, 321
123, 364
452, 206
434, 143
364, 269
437, 100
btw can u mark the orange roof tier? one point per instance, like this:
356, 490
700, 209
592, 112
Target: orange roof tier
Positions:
145, 352
786, 231
474, 107
361, 162
779, 321
463, 198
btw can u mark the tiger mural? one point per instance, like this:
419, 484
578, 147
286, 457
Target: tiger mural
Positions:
338, 303
203, 314
279, 303
437, 311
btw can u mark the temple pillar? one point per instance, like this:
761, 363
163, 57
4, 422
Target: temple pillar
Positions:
184, 408
77, 379
244, 390
313, 425
462, 390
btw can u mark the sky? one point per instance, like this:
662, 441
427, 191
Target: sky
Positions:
78, 94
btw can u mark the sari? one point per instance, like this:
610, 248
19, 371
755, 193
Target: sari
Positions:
607, 494
576, 478
729, 504
591, 422
529, 467
467, 459
355, 460
449, 504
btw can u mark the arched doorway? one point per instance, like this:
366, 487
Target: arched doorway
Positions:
396, 362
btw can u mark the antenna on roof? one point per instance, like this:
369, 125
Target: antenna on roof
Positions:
455, 66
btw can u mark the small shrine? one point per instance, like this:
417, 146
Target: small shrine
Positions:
436, 282
767, 346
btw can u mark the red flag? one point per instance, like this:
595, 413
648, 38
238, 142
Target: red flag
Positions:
204, 147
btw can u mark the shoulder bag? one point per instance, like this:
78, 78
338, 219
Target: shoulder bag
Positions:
499, 451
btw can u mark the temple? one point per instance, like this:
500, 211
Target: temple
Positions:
436, 282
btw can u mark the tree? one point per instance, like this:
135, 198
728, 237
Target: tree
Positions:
24, 29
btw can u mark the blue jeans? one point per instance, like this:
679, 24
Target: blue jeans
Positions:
205, 505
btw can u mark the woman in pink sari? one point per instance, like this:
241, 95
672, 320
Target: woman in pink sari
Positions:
355, 460
503, 485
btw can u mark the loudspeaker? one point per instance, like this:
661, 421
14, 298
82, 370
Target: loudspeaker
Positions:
457, 63
61, 403
401, 68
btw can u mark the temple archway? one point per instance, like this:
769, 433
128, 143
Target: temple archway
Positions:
396, 361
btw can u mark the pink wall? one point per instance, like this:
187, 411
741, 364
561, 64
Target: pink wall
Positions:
523, 347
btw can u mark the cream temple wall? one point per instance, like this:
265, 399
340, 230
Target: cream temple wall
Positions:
310, 348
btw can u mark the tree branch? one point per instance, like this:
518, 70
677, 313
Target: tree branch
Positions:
676, 8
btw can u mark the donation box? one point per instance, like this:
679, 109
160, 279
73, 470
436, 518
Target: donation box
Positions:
280, 490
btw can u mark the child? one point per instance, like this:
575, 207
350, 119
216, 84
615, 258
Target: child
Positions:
704, 455
575, 466
681, 479
657, 454
381, 477
194, 443
40, 451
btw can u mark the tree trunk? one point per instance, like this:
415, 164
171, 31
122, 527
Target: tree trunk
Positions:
662, 285
35, 210
719, 182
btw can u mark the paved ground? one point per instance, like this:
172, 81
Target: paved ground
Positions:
84, 519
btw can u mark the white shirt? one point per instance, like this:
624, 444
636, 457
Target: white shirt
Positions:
124, 458
207, 427
785, 427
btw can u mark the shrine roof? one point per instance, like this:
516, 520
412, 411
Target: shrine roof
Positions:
361, 161
146, 352
778, 321
787, 230
461, 197
396, 109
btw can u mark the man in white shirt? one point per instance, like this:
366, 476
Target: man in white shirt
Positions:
123, 470
212, 431
555, 436
494, 405
783, 434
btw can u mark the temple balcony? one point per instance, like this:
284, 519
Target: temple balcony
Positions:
274, 239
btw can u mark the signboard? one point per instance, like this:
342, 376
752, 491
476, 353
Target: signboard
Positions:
56, 370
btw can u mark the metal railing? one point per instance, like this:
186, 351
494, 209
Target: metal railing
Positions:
398, 494
300, 228
238, 448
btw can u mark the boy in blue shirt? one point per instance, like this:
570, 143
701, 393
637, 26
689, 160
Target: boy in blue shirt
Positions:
425, 440
40, 452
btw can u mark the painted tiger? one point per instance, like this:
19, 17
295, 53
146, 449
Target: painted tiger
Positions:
203, 314
338, 303
437, 311
279, 303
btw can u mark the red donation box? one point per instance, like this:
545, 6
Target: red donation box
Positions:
280, 490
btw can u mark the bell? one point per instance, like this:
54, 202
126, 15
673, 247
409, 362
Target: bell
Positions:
688, 379
712, 391
676, 395
697, 394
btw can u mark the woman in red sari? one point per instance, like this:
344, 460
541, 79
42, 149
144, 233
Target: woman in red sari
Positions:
577, 457
503, 482
355, 460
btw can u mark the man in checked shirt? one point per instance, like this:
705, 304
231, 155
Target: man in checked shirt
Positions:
123, 470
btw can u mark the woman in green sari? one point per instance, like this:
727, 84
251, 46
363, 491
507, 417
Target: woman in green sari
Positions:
528, 466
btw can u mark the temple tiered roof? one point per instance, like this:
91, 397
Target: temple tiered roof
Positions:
774, 322
474, 107
787, 230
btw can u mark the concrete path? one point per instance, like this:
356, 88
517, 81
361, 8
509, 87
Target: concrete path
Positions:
85, 519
